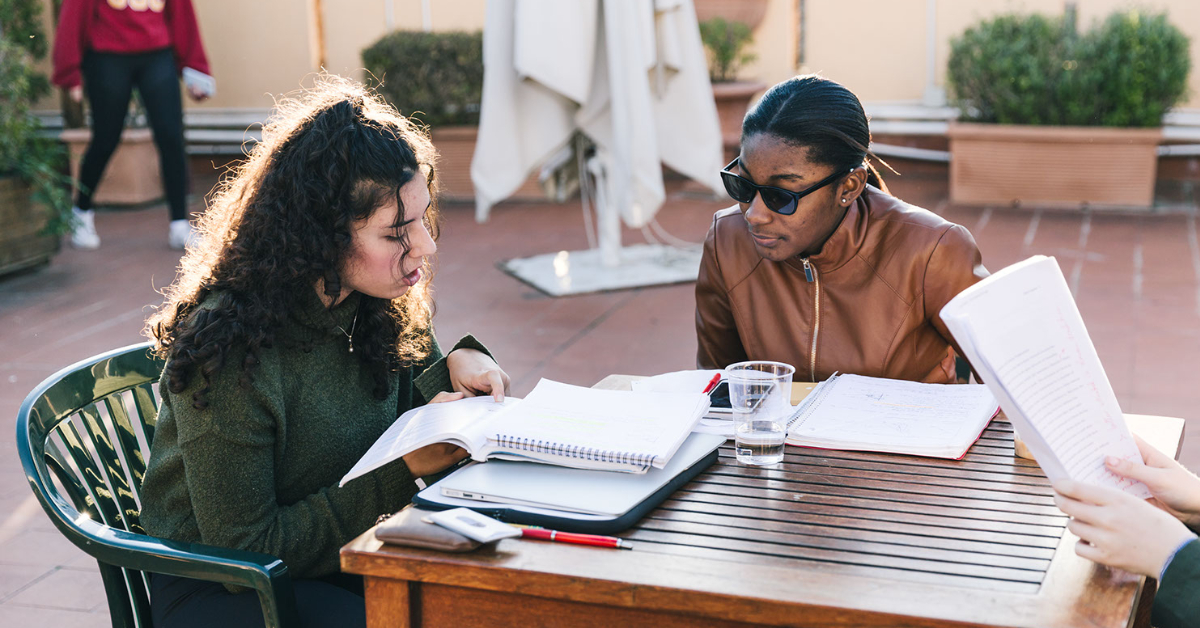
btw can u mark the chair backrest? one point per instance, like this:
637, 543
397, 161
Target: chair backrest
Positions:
90, 427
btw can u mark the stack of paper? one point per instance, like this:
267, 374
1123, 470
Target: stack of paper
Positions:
1022, 332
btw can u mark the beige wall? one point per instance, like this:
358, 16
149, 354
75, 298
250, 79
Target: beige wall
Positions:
878, 47
262, 48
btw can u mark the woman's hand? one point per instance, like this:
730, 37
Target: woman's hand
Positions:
473, 373
437, 457
1118, 529
1176, 489
197, 94
76, 93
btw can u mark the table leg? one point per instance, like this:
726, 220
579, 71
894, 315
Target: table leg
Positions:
389, 604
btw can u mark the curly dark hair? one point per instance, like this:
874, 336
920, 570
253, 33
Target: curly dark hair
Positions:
280, 224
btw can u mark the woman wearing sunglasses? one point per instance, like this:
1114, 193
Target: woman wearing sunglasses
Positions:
818, 266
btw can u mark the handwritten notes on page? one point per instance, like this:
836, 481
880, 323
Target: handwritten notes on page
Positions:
874, 414
1022, 332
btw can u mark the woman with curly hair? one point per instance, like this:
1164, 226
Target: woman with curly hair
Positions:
297, 330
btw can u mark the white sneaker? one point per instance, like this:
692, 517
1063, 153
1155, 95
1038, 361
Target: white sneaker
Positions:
181, 234
83, 235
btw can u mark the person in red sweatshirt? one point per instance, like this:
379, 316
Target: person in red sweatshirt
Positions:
107, 48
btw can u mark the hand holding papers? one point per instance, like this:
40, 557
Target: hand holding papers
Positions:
556, 424
1023, 334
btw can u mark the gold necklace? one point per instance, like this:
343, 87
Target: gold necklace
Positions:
350, 334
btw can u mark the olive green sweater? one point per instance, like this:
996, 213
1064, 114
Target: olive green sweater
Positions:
1177, 602
259, 468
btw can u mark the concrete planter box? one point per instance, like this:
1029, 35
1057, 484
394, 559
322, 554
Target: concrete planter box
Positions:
132, 177
733, 99
456, 148
748, 12
1053, 167
22, 244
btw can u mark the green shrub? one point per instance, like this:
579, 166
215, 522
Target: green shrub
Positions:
23, 152
725, 42
1128, 71
436, 77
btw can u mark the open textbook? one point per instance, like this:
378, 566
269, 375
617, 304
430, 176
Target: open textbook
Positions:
1022, 332
560, 424
861, 413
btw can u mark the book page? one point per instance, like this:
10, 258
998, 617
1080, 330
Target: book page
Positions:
459, 422
884, 414
650, 424
1030, 341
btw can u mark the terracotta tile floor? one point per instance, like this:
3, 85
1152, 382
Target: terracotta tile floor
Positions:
1137, 280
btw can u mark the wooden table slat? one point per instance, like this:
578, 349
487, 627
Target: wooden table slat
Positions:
748, 548
952, 517
788, 489
842, 476
889, 469
868, 530
986, 463
875, 544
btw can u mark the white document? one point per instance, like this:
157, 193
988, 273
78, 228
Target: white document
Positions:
201, 81
677, 381
1022, 332
717, 419
875, 414
454, 422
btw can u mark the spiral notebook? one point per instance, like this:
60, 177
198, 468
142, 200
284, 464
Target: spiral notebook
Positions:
559, 424
859, 413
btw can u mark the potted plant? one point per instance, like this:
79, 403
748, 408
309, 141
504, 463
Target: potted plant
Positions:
34, 203
437, 78
1056, 118
725, 42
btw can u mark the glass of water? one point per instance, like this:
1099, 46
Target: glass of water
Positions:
760, 393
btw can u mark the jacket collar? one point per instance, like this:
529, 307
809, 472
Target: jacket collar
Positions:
845, 241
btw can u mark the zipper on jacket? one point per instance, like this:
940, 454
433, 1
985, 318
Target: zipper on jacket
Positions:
810, 273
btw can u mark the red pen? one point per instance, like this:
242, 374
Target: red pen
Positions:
712, 383
594, 540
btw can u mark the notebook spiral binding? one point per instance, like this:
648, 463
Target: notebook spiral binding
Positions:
574, 451
811, 402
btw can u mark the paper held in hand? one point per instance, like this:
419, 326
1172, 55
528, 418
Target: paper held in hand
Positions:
858, 413
1022, 332
559, 424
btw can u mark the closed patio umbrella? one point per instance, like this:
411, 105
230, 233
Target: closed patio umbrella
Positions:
629, 75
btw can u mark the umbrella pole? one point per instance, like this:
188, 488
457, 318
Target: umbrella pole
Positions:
608, 218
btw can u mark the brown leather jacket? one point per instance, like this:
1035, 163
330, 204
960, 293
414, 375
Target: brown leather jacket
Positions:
870, 308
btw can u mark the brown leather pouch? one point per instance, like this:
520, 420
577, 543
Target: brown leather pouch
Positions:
407, 527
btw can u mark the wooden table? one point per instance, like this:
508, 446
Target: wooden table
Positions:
825, 538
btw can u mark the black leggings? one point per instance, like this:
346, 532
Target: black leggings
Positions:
335, 600
109, 79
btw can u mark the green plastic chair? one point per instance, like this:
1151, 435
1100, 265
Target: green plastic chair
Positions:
91, 424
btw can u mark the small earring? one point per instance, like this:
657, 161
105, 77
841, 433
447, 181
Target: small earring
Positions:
844, 201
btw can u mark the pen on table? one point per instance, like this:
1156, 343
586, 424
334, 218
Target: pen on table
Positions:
541, 534
712, 383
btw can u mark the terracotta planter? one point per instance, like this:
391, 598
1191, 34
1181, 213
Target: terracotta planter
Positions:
456, 149
749, 12
22, 244
733, 99
1053, 167
132, 176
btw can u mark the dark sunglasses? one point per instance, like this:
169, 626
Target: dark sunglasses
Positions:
778, 200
